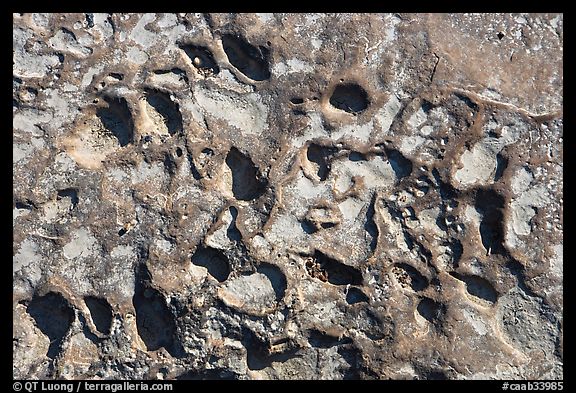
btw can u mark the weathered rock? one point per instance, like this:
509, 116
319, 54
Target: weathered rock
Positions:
296, 196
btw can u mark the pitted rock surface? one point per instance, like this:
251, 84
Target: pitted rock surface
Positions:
288, 196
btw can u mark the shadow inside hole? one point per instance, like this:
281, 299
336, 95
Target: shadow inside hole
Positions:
89, 20
456, 250
53, 316
430, 310
232, 232
116, 76
418, 281
319, 155
201, 58
356, 156
327, 225
23, 205
490, 205
370, 226
355, 295
250, 60
350, 98
168, 109
117, 119
154, 321
337, 272
308, 227
501, 164
478, 287
87, 333
467, 101
401, 166
276, 277
176, 71
247, 182
69, 193
214, 261
352, 357
100, 312
322, 340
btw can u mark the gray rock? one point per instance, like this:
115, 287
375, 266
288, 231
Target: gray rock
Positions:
288, 196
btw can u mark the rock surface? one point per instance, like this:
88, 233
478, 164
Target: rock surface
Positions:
288, 196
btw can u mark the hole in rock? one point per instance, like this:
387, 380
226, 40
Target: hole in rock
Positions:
69, 193
258, 356
322, 340
276, 277
353, 359
167, 109
328, 269
201, 58
247, 182
356, 156
250, 60
319, 155
308, 227
297, 100
430, 310
490, 205
350, 98
501, 164
355, 295
101, 313
117, 76
478, 287
370, 225
32, 91
213, 260
408, 275
456, 251
232, 232
90, 20
401, 166
467, 101
154, 321
53, 316
117, 119
24, 205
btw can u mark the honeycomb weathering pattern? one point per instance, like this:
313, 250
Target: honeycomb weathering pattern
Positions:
288, 196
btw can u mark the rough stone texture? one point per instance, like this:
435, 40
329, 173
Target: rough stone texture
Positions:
298, 196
